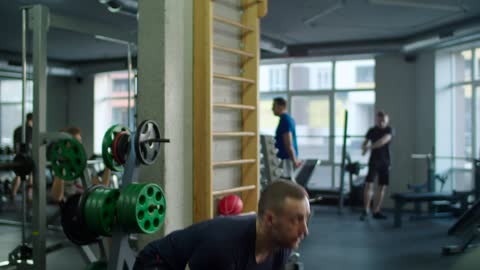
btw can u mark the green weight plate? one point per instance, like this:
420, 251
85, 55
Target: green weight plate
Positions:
107, 151
68, 159
141, 208
100, 210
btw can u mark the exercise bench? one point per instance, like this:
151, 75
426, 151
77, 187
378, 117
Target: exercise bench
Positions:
401, 199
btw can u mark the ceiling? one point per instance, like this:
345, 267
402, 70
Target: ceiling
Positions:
64, 45
300, 27
328, 24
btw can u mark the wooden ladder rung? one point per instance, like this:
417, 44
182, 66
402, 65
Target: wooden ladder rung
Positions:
234, 106
233, 23
234, 134
234, 51
233, 190
247, 213
232, 162
233, 78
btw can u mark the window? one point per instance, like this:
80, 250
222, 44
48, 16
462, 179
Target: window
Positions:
456, 130
120, 85
355, 74
317, 100
312, 119
273, 77
462, 66
111, 104
361, 111
11, 107
268, 121
311, 76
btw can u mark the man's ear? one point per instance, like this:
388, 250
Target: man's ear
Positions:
268, 218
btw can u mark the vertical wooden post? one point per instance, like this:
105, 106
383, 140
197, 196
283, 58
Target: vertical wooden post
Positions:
202, 108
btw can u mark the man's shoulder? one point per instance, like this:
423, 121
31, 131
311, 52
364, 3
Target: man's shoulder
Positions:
236, 221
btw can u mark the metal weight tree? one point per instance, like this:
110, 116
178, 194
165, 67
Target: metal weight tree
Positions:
40, 20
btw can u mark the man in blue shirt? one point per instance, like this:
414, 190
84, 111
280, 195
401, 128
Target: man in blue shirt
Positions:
286, 138
251, 242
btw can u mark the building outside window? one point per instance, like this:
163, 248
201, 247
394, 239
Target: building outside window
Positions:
111, 104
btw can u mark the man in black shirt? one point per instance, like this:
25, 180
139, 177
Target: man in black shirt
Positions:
252, 242
379, 137
17, 141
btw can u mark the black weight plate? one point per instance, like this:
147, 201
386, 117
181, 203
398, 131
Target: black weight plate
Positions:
73, 224
147, 150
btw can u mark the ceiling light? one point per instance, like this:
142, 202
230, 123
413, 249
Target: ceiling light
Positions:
311, 21
419, 4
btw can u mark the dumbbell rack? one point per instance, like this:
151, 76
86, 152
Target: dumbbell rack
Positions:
207, 107
271, 163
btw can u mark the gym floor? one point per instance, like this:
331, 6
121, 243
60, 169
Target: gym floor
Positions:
335, 242
344, 242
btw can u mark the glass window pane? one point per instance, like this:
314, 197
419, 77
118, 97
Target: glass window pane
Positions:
111, 103
462, 66
311, 76
120, 85
321, 178
11, 90
355, 74
268, 121
463, 121
476, 153
477, 63
312, 118
361, 111
273, 77
14, 115
443, 125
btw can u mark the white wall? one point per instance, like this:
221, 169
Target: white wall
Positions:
405, 90
165, 64
81, 108
425, 111
57, 101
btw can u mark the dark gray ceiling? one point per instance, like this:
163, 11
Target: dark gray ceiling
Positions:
354, 20
64, 45
336, 26
297, 24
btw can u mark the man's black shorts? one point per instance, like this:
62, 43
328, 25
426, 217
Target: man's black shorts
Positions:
382, 171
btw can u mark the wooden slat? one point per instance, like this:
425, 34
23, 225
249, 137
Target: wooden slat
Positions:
250, 96
233, 162
233, 190
202, 107
234, 106
263, 8
234, 51
234, 134
232, 23
247, 213
233, 78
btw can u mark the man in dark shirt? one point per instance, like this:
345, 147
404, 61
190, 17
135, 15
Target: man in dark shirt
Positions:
286, 138
17, 141
262, 241
379, 137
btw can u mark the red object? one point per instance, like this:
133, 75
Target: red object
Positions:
230, 205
